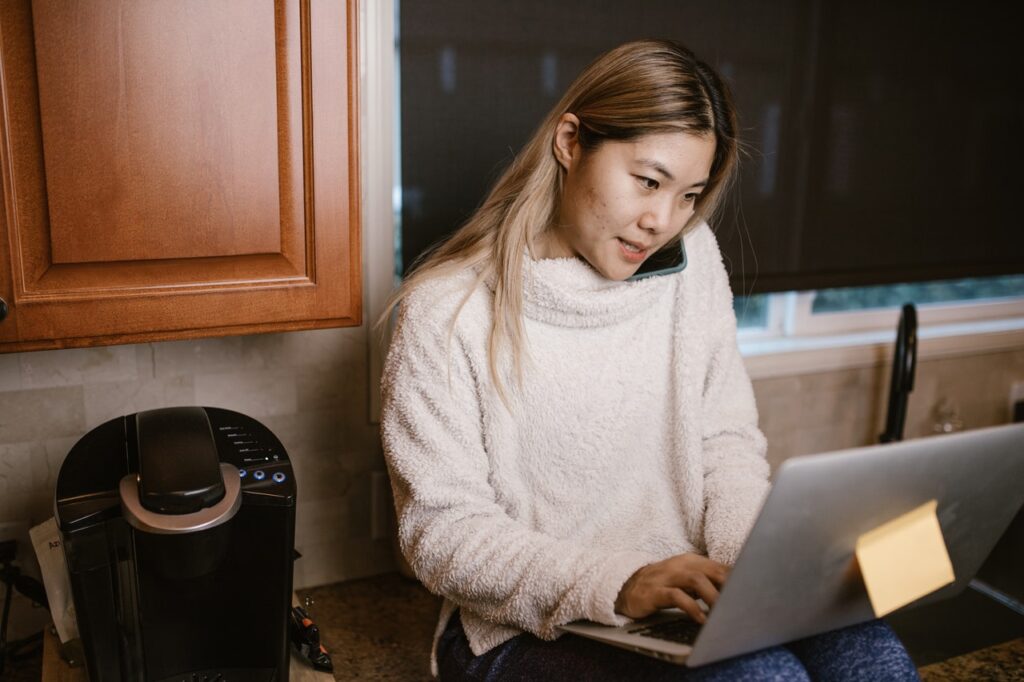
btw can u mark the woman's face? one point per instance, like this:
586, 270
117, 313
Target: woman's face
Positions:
623, 201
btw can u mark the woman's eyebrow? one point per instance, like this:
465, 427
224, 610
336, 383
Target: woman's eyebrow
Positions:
654, 165
660, 168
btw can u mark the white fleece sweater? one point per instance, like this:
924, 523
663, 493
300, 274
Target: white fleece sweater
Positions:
632, 437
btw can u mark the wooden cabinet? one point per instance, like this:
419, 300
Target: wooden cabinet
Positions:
176, 169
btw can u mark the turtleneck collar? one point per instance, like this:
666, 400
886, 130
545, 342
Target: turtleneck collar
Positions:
568, 292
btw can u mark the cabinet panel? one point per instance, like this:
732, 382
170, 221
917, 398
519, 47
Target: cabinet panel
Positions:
177, 169
180, 99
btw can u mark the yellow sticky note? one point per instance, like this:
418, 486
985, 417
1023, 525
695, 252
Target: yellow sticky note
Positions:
904, 559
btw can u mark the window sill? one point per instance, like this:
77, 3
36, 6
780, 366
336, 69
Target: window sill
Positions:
778, 357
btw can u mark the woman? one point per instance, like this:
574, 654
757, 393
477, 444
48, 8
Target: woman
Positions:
566, 444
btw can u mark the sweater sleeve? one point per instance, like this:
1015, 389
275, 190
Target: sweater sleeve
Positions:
735, 469
457, 537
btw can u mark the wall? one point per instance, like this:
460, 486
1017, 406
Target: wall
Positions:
811, 413
310, 388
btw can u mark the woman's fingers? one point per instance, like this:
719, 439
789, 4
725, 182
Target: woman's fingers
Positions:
676, 581
715, 571
698, 576
673, 596
718, 574
705, 589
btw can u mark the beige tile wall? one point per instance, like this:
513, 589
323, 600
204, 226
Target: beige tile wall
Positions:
812, 413
311, 389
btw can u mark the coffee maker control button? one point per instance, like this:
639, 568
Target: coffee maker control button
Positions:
259, 475
278, 477
242, 473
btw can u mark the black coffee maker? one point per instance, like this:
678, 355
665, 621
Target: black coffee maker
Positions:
178, 527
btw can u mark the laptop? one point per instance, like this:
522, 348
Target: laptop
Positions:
795, 575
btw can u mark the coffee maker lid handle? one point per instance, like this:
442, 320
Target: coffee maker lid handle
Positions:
178, 460
148, 521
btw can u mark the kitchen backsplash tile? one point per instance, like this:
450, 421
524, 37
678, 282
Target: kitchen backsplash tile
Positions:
10, 372
310, 430
321, 474
263, 351
107, 400
77, 366
258, 393
47, 468
40, 413
17, 482
200, 356
325, 348
319, 519
319, 388
322, 562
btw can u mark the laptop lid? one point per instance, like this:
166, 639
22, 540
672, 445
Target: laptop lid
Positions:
795, 575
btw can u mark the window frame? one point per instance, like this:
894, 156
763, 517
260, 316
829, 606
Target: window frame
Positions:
801, 321
797, 341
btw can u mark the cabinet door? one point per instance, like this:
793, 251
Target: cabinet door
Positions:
176, 169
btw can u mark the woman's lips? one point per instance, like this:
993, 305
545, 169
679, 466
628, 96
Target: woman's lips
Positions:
631, 251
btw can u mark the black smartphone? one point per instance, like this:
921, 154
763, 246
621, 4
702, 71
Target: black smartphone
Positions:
669, 260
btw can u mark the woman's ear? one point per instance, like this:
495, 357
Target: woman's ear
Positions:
566, 143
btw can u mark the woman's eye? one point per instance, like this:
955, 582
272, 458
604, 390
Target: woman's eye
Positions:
690, 197
647, 183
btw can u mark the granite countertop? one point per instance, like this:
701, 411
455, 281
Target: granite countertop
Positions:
378, 628
999, 662
381, 628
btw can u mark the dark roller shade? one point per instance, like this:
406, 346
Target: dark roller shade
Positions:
883, 140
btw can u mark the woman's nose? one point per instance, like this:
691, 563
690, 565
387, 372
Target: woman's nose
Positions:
656, 217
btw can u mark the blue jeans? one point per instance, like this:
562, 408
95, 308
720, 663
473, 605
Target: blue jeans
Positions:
869, 651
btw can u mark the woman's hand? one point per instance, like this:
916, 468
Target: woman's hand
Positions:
677, 581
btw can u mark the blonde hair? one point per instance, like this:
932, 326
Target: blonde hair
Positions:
636, 89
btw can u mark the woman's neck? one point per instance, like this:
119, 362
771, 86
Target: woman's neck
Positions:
549, 244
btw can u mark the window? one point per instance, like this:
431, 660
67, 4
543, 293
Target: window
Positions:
851, 179
752, 311
863, 298
836, 317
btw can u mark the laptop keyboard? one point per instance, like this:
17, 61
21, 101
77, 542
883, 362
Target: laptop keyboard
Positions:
680, 630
